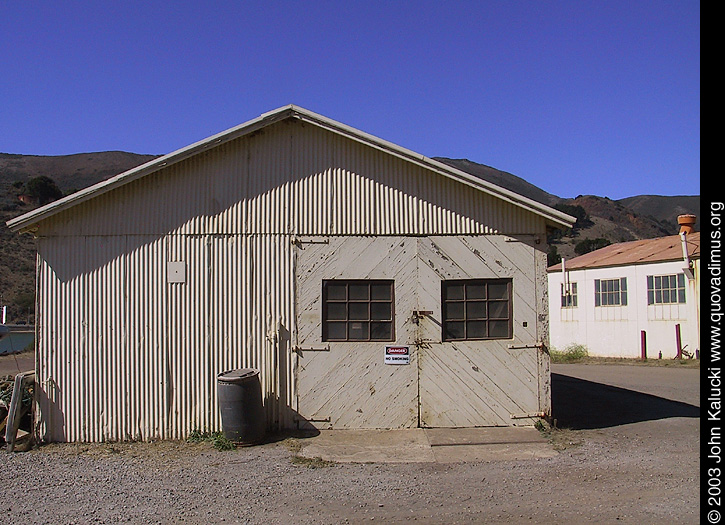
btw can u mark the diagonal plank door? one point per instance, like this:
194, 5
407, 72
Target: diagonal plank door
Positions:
477, 383
347, 384
447, 384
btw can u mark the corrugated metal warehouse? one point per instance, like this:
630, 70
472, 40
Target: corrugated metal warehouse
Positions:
371, 286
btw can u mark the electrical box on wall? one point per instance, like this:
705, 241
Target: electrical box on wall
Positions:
176, 272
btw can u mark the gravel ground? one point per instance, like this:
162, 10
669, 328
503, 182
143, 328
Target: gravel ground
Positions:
629, 453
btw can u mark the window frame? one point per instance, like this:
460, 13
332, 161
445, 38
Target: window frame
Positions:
466, 321
679, 291
616, 296
571, 299
347, 321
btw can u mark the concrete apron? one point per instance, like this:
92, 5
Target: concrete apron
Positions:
427, 445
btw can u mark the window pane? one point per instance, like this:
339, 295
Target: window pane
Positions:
336, 291
336, 331
469, 304
380, 311
359, 292
476, 310
358, 311
454, 310
336, 311
475, 329
476, 291
499, 310
498, 291
358, 331
681, 295
498, 329
381, 331
454, 331
381, 292
347, 308
454, 292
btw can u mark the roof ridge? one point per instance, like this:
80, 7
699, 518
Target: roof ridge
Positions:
29, 219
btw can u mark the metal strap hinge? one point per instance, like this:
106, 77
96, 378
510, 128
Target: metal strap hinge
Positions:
298, 349
540, 346
525, 416
298, 241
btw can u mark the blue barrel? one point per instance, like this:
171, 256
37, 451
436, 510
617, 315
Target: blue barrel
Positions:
240, 402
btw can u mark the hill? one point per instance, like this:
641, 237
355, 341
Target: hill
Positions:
639, 217
629, 219
503, 179
17, 252
70, 172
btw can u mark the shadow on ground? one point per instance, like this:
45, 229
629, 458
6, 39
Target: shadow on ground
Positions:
579, 404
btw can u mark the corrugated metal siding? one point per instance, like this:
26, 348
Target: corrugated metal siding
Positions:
293, 178
125, 355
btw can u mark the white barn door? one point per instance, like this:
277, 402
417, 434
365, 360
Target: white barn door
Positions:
470, 383
444, 383
347, 384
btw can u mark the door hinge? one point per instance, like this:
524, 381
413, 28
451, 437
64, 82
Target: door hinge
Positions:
540, 346
300, 349
298, 241
524, 416
311, 420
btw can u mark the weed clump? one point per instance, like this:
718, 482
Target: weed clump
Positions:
570, 354
217, 439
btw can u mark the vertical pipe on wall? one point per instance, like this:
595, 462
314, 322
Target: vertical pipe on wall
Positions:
643, 344
678, 338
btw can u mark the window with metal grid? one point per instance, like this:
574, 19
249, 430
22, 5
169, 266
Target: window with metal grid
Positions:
477, 309
610, 292
666, 289
358, 310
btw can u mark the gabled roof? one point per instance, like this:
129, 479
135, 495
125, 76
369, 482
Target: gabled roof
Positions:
661, 249
553, 217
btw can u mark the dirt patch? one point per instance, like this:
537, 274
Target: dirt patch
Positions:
636, 465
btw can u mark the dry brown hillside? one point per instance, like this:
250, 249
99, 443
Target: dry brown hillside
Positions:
638, 217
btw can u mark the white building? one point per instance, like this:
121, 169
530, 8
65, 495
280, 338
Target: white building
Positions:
371, 286
621, 299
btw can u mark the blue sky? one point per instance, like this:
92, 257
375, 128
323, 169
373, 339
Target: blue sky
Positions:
576, 97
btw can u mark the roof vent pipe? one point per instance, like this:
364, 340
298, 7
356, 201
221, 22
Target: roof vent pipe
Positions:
687, 223
686, 255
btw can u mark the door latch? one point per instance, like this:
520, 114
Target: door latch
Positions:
420, 314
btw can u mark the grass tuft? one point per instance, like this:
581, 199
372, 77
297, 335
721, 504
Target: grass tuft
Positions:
217, 439
571, 354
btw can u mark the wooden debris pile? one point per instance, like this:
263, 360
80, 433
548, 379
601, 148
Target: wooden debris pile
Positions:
16, 410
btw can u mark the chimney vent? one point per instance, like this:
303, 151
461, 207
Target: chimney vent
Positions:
687, 223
